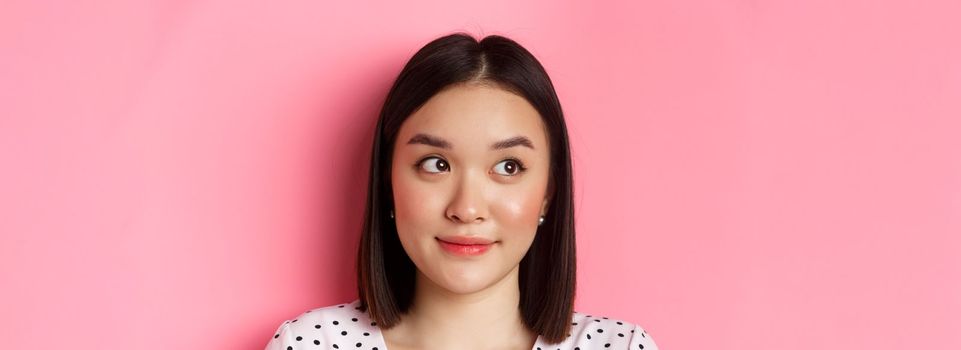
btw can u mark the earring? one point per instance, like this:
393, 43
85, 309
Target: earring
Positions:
392, 213
540, 221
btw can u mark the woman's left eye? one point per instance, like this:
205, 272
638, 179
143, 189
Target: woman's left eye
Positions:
509, 167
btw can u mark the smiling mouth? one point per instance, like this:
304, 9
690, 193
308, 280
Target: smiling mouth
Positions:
466, 247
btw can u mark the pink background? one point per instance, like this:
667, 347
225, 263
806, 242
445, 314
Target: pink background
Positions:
749, 174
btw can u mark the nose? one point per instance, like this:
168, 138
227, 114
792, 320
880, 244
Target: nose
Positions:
468, 204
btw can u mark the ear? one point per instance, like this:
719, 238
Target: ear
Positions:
548, 195
544, 206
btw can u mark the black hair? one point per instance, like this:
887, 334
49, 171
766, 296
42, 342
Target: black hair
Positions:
385, 274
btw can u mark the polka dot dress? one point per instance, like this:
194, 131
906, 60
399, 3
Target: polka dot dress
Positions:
345, 327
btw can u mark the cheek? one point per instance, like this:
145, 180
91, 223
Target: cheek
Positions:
517, 209
416, 202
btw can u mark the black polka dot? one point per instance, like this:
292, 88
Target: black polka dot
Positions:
355, 316
290, 348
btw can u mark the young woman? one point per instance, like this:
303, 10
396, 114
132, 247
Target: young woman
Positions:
468, 239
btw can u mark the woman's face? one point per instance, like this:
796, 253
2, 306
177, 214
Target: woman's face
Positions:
471, 163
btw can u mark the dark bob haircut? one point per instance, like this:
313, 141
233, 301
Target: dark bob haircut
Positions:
385, 274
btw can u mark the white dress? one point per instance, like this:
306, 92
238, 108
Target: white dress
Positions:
345, 327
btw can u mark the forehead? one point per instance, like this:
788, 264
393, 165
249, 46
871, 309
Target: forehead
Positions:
474, 115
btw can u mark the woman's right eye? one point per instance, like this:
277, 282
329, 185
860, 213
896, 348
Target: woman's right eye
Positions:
434, 165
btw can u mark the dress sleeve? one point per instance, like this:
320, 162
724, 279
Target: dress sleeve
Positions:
641, 340
281, 339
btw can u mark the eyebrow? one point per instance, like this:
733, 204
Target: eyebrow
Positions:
431, 140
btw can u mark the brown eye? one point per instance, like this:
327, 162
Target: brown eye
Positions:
434, 165
509, 167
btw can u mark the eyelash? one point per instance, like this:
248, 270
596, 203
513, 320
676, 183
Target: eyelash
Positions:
520, 165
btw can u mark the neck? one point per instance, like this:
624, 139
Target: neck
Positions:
486, 319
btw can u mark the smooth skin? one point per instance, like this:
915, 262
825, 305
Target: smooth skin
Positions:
449, 178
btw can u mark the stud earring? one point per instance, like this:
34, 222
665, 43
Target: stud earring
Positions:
392, 213
540, 221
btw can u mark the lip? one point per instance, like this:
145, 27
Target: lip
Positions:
465, 240
465, 246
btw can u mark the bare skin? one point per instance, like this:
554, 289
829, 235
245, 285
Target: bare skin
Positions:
483, 321
467, 186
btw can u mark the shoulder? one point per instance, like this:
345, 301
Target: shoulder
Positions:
324, 326
591, 331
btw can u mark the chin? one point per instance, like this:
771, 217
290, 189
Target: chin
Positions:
464, 288
465, 282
